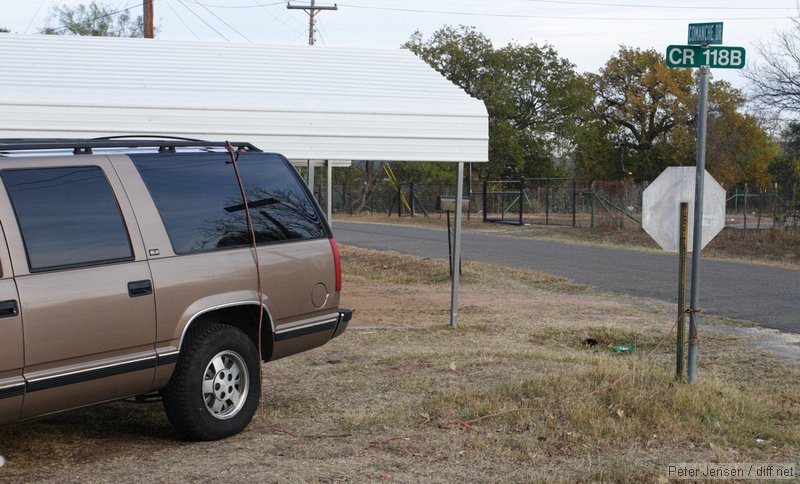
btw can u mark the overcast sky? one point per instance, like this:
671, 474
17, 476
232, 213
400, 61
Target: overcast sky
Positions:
587, 32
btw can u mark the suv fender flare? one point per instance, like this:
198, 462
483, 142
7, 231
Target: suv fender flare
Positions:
210, 309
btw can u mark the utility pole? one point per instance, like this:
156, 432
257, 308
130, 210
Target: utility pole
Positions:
311, 10
148, 19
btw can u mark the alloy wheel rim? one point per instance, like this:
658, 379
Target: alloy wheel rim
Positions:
225, 384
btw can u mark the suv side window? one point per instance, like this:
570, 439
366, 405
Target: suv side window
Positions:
200, 203
280, 207
68, 217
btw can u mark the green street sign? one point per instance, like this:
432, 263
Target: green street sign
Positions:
707, 33
717, 57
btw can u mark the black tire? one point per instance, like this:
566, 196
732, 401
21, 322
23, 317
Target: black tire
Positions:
215, 388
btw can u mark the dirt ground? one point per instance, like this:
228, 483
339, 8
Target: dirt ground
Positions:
516, 393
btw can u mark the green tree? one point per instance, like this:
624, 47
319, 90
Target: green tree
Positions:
95, 19
644, 119
4, 30
533, 97
641, 102
785, 168
738, 149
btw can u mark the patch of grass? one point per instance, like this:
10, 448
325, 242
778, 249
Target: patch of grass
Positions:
362, 266
512, 394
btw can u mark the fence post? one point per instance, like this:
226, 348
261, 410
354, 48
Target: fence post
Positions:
547, 204
574, 201
593, 204
411, 187
399, 201
521, 199
760, 208
745, 209
682, 249
485, 189
774, 203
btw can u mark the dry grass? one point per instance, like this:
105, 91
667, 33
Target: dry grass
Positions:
777, 247
511, 395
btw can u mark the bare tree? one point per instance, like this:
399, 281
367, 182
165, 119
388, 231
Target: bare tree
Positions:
775, 82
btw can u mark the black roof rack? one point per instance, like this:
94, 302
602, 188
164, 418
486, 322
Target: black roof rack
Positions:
85, 146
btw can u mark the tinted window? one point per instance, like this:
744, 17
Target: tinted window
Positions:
280, 207
67, 216
201, 204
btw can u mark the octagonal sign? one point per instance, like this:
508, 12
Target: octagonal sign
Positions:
661, 202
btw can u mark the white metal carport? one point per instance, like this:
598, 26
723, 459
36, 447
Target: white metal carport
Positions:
307, 103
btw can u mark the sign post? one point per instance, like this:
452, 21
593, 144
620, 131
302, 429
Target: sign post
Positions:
699, 54
694, 319
682, 249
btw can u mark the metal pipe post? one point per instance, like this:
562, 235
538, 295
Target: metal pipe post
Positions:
329, 198
457, 247
697, 242
485, 202
310, 175
682, 249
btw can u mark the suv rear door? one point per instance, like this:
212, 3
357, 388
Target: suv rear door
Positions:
12, 385
83, 281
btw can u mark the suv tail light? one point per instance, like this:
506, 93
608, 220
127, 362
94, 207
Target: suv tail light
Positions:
337, 263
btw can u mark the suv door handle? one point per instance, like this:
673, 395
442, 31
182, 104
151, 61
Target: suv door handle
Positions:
8, 308
140, 288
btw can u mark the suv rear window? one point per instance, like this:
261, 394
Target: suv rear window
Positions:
68, 217
200, 203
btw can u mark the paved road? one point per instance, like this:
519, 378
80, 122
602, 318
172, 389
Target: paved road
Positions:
768, 296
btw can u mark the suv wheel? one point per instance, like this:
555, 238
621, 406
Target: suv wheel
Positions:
215, 388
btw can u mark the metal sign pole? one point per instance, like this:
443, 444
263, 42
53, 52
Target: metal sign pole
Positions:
697, 244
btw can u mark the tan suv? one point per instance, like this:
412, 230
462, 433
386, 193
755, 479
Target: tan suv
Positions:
130, 266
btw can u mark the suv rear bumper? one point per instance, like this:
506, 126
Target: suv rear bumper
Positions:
345, 315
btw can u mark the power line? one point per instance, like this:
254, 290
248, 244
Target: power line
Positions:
169, 4
34, 16
674, 7
203, 20
226, 23
562, 17
252, 5
295, 39
278, 19
323, 34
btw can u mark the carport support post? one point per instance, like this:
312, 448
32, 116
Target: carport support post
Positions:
329, 200
457, 247
697, 242
310, 175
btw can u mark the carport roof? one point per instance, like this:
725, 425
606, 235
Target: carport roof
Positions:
304, 102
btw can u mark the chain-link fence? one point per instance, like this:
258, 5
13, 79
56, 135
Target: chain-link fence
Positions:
562, 202
758, 208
